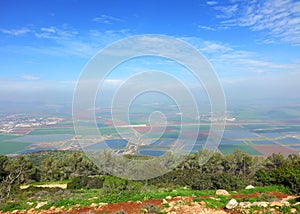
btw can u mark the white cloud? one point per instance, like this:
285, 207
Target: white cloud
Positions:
31, 77
49, 29
105, 19
211, 2
67, 42
232, 61
280, 19
202, 27
16, 32
226, 11
52, 32
56, 33
66, 48
210, 47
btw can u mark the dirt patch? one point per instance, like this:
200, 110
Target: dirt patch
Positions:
135, 207
62, 186
127, 207
187, 206
278, 195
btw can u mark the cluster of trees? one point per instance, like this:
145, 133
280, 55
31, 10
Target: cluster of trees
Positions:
235, 171
231, 171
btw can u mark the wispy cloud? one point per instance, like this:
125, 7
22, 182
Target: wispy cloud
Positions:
46, 32
213, 47
31, 77
67, 42
56, 33
226, 11
202, 27
233, 61
280, 19
105, 19
16, 32
211, 2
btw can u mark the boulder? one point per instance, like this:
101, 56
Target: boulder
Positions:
260, 204
285, 203
290, 197
244, 205
102, 204
40, 204
202, 203
52, 208
216, 199
32, 210
276, 204
293, 210
94, 205
232, 204
249, 187
164, 201
169, 197
222, 192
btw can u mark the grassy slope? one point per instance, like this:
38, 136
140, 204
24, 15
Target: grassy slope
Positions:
85, 197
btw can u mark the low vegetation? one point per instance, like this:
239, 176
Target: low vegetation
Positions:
86, 184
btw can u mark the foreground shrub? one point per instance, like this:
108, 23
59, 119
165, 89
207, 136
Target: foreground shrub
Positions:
227, 181
114, 185
287, 175
86, 182
150, 209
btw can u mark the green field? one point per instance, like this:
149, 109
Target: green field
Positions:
10, 147
6, 137
229, 149
50, 131
113, 130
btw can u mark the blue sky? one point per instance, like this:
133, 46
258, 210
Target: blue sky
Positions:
254, 46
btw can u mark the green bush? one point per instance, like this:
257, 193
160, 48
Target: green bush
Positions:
287, 175
150, 209
86, 182
227, 181
201, 182
120, 212
10, 206
114, 185
263, 178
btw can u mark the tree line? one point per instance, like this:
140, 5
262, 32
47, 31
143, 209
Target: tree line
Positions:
230, 171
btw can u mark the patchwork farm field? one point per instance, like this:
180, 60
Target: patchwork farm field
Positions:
267, 150
44, 138
52, 131
9, 147
228, 149
256, 139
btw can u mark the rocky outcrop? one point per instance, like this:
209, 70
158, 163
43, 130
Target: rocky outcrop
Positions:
222, 192
249, 187
232, 204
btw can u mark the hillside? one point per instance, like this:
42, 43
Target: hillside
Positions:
69, 181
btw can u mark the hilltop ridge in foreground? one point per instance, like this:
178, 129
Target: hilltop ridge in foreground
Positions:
219, 203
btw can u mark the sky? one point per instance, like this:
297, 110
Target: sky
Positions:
253, 46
